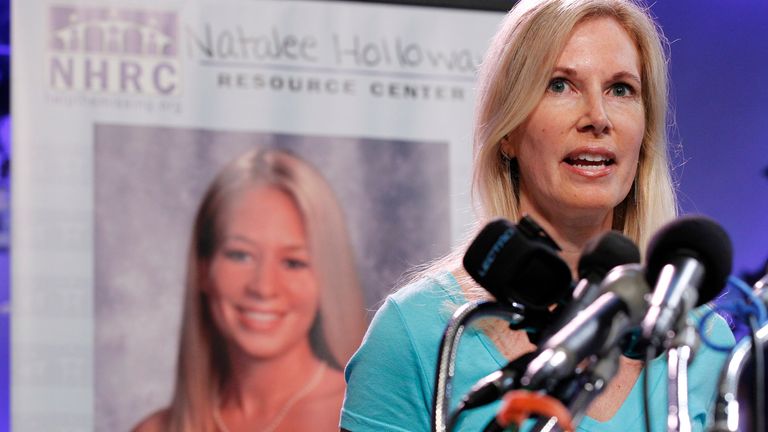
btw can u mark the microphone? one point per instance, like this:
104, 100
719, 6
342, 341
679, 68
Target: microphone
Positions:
689, 261
518, 264
520, 267
598, 327
600, 255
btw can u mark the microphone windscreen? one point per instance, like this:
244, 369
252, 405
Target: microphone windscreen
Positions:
604, 252
513, 267
695, 237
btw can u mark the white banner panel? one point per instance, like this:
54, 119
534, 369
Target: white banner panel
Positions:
124, 112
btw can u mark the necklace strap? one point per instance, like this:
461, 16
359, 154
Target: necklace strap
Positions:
280, 416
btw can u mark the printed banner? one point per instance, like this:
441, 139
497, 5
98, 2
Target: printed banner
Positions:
144, 132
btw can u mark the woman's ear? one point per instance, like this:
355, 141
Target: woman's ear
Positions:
506, 146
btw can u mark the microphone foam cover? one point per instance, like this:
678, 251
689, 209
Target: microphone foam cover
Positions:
699, 238
513, 267
604, 252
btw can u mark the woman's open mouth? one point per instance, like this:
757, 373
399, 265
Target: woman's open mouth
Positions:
589, 161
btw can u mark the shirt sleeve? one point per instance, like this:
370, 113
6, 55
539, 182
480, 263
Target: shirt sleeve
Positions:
386, 384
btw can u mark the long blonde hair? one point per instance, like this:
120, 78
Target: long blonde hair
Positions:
203, 366
511, 83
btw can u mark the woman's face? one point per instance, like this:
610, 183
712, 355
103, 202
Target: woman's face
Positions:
263, 292
578, 150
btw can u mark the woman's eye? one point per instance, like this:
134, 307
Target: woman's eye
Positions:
236, 255
557, 85
622, 90
294, 263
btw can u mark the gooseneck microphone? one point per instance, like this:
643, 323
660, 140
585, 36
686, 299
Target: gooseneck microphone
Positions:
689, 261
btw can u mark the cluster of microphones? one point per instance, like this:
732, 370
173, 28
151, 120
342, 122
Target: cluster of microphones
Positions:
618, 307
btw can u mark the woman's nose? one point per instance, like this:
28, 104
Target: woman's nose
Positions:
262, 281
594, 118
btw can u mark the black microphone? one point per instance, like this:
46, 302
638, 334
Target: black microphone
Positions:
600, 255
518, 264
689, 261
592, 331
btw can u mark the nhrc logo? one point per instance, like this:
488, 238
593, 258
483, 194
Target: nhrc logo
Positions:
114, 51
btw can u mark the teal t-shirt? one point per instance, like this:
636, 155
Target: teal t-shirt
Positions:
390, 379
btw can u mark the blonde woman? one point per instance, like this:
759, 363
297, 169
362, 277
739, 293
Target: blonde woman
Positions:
570, 129
272, 308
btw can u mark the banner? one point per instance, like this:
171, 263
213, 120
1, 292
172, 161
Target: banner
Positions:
126, 112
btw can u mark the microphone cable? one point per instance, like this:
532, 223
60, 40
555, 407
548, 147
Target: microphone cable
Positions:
749, 293
753, 307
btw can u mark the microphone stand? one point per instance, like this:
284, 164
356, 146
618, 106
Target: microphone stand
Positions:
678, 357
728, 408
446, 361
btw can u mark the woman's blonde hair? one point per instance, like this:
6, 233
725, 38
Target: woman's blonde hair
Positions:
203, 366
512, 81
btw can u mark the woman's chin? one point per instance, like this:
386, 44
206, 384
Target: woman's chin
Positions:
597, 202
265, 347
591, 210
261, 351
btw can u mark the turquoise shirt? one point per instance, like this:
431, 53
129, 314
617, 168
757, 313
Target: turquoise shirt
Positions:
390, 379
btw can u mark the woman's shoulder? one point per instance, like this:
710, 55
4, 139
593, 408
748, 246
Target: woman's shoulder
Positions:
412, 318
155, 422
433, 287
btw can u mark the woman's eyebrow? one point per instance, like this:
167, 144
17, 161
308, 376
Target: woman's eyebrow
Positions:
625, 75
566, 70
239, 237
